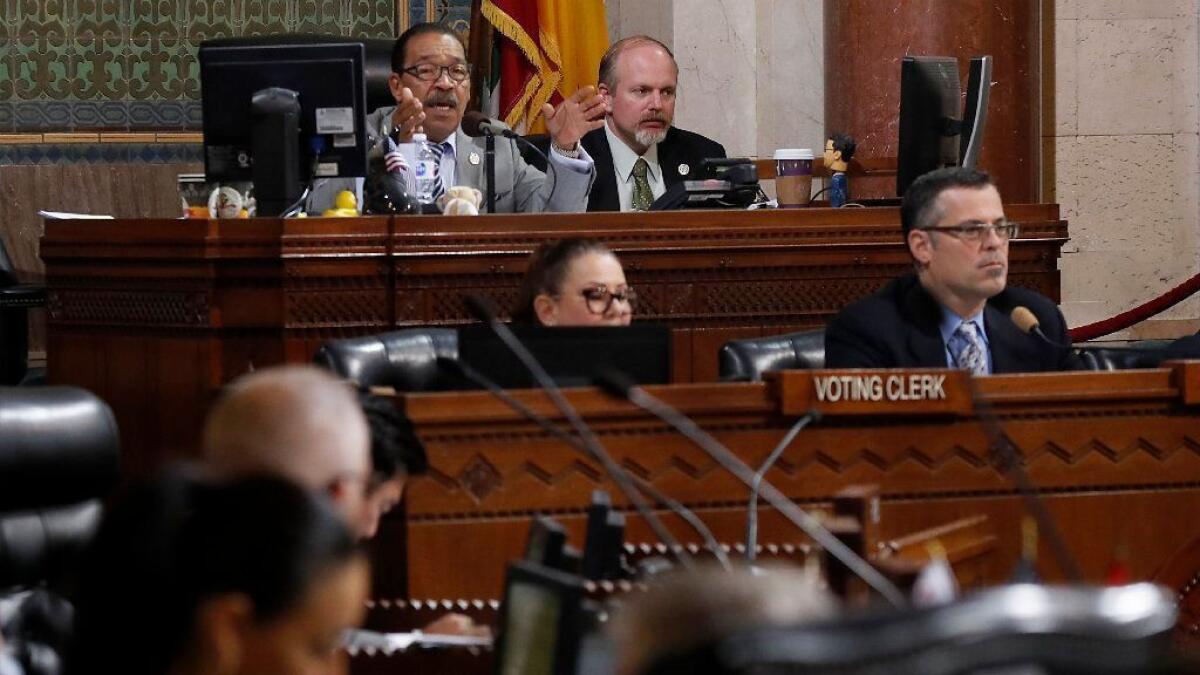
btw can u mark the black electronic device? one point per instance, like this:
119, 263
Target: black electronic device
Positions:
546, 544
542, 621
571, 355
282, 112
936, 130
979, 87
604, 540
723, 183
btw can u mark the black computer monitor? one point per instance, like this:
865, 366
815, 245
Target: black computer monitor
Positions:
572, 356
542, 621
979, 87
281, 112
936, 129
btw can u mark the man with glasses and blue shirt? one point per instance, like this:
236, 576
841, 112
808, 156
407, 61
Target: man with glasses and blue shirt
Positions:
954, 310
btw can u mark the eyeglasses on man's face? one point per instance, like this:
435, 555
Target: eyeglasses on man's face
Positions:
974, 232
599, 299
428, 72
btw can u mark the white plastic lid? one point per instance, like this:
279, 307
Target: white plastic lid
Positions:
793, 153
419, 137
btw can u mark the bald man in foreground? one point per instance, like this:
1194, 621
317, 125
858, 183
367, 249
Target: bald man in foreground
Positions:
299, 422
302, 423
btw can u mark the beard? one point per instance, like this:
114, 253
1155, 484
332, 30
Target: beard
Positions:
649, 137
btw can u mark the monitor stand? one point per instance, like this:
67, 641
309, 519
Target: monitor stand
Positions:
276, 168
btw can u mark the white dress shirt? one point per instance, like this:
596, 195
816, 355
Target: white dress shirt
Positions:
623, 160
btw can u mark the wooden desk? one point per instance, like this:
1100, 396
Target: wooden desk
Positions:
155, 315
1115, 456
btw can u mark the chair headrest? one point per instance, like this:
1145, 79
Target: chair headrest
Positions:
747, 360
58, 445
405, 359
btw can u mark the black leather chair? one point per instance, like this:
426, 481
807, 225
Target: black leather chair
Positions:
58, 457
746, 360
1120, 358
16, 299
405, 360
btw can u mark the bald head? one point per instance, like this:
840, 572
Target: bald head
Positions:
298, 422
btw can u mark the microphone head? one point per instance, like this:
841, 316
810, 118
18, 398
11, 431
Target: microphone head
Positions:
1024, 319
479, 307
614, 382
471, 122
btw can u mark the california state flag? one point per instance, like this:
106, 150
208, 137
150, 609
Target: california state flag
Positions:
544, 51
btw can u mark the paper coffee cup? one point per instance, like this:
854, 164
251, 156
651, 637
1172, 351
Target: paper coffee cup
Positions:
793, 176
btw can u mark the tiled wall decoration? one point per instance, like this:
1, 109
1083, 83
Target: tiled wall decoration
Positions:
96, 66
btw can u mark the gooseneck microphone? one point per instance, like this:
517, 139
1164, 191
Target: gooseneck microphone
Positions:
621, 386
476, 124
1028, 323
752, 512
463, 370
479, 308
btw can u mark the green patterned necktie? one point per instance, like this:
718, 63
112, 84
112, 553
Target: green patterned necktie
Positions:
642, 197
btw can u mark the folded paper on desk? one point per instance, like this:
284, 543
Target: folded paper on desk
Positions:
64, 215
371, 642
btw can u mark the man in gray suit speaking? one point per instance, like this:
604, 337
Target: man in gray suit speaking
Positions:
431, 82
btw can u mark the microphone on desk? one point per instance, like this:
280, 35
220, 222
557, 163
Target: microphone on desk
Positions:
464, 371
752, 512
1028, 323
476, 124
479, 308
622, 386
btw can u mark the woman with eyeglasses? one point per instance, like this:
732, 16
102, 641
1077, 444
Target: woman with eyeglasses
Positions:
575, 282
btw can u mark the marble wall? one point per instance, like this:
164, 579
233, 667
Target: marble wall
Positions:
751, 72
1122, 156
1120, 128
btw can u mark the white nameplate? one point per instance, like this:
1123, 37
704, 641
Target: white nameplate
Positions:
919, 391
907, 387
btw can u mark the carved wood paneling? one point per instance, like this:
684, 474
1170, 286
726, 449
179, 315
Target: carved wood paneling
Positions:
1109, 451
250, 293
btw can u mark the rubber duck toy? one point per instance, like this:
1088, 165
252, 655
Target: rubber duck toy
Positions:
345, 206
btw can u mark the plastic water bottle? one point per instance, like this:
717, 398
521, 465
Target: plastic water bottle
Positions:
426, 169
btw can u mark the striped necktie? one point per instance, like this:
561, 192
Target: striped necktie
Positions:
970, 353
439, 149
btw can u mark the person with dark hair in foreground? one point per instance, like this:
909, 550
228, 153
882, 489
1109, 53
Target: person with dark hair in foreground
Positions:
955, 309
396, 454
574, 282
252, 576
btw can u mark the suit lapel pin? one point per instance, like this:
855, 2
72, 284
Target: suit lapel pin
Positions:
684, 169
473, 158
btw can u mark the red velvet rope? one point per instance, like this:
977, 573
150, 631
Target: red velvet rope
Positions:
1140, 313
